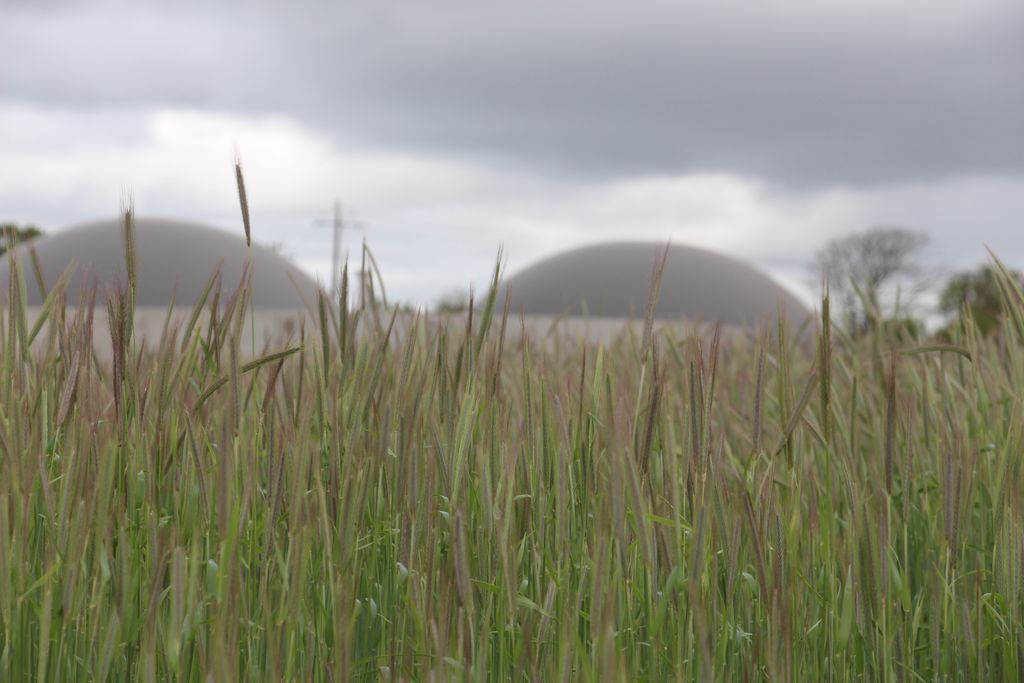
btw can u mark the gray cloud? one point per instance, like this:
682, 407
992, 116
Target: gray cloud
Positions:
800, 96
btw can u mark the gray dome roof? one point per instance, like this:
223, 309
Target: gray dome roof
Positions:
613, 280
171, 256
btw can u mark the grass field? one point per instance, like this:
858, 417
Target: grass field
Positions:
453, 505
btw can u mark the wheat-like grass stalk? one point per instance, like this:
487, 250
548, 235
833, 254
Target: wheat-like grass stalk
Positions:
243, 200
416, 500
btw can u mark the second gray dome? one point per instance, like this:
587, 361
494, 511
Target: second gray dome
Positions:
613, 280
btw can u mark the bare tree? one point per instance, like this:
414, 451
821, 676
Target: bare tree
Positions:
861, 267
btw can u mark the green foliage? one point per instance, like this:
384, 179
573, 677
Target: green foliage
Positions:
456, 301
407, 500
903, 330
12, 234
976, 294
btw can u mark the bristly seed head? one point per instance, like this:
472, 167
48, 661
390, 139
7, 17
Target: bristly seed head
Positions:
240, 180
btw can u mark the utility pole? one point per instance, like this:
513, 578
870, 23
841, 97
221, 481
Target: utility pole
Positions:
338, 225
336, 247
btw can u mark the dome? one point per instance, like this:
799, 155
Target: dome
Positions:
173, 258
613, 281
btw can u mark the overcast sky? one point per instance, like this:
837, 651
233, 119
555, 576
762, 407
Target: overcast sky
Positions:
447, 129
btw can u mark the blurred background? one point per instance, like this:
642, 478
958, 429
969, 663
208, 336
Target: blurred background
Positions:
787, 134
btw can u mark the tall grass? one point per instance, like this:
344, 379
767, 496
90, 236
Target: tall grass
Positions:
457, 502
